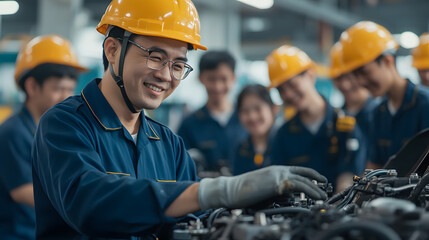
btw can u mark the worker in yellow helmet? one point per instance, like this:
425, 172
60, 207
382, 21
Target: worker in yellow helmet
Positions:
369, 52
357, 99
317, 136
421, 59
102, 169
47, 72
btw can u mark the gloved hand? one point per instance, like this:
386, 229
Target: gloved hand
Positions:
252, 187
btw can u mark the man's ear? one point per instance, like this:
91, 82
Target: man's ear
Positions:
389, 60
311, 73
31, 86
112, 49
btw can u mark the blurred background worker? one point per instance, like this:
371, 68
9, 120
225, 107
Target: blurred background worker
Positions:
369, 51
318, 136
256, 112
214, 129
47, 71
357, 100
421, 59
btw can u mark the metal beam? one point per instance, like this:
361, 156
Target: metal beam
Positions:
320, 11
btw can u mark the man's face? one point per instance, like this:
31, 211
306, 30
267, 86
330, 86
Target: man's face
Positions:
376, 77
218, 82
424, 77
147, 88
53, 90
349, 86
295, 91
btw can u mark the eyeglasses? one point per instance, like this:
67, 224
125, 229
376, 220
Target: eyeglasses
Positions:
157, 60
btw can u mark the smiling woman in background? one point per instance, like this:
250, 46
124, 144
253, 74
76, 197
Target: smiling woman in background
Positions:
256, 114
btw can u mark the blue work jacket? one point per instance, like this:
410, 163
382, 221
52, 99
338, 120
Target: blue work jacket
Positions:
17, 221
329, 151
92, 181
199, 130
364, 119
389, 133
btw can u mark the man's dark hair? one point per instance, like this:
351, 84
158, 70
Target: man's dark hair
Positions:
212, 59
255, 89
46, 70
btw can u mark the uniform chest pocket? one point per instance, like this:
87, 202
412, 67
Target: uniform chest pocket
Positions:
165, 181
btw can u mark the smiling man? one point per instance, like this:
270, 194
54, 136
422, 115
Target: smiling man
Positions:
102, 169
318, 136
214, 129
369, 52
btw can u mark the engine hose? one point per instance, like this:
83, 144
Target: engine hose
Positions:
213, 216
414, 195
339, 195
285, 210
368, 228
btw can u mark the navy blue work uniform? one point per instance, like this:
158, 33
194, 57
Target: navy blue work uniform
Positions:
201, 131
17, 221
389, 132
364, 119
246, 159
329, 151
92, 180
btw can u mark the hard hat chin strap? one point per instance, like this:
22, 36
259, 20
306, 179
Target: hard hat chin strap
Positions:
119, 78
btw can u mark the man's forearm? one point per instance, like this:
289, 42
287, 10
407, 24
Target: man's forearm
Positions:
187, 202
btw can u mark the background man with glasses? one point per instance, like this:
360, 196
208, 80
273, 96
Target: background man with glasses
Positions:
102, 169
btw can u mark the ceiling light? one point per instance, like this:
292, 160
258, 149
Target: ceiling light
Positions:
408, 40
261, 4
8, 7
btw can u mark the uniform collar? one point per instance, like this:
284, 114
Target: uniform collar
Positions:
104, 114
204, 114
100, 108
148, 129
28, 119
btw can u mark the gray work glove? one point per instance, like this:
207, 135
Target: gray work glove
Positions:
252, 187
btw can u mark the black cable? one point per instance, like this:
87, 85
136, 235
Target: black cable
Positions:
339, 195
213, 216
414, 195
368, 228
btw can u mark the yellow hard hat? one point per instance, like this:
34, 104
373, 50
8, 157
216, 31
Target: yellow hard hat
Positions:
45, 49
336, 64
363, 43
285, 63
160, 18
421, 53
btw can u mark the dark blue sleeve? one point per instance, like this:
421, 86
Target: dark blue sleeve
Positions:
425, 112
15, 150
372, 145
87, 199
